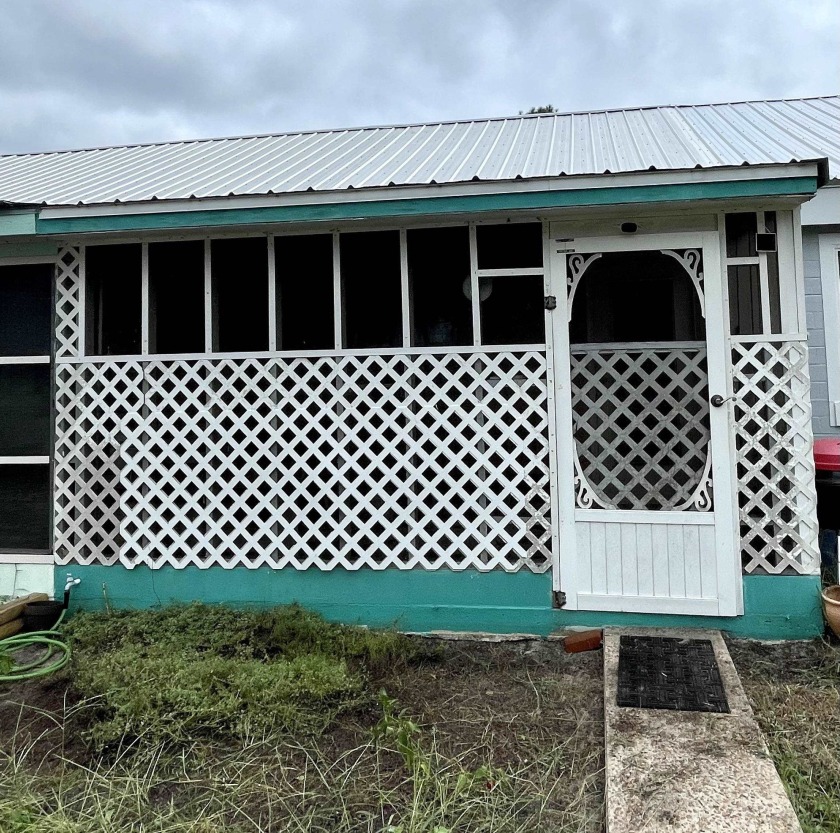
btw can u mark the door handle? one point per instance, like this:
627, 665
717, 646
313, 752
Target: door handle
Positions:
717, 400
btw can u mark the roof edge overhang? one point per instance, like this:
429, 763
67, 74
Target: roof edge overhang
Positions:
792, 180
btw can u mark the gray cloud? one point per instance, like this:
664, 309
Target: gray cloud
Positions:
92, 72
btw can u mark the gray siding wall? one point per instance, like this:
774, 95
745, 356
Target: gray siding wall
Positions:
816, 335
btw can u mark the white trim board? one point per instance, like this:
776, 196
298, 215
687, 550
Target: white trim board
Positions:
733, 174
830, 284
26, 558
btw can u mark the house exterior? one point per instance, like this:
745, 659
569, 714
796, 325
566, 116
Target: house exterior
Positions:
821, 248
510, 375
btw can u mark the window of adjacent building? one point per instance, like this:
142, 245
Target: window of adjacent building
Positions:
240, 294
176, 297
304, 296
371, 289
439, 286
113, 277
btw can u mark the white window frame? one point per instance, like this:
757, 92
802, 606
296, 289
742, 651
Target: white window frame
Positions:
830, 285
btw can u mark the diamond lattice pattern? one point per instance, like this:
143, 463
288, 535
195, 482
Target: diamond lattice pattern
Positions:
776, 493
432, 460
641, 426
68, 302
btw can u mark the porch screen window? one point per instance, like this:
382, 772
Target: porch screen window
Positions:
371, 289
509, 262
509, 246
176, 297
113, 291
439, 286
25, 410
25, 407
24, 507
25, 311
240, 294
305, 305
512, 309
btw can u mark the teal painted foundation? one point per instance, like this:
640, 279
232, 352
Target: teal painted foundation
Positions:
775, 607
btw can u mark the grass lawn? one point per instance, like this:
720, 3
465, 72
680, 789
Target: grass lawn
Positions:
204, 719
794, 689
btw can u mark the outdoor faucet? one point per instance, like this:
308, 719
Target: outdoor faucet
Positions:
71, 582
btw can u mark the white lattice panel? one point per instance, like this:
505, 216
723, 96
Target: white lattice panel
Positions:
776, 493
641, 428
68, 303
429, 460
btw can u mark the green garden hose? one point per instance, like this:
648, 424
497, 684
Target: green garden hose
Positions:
55, 654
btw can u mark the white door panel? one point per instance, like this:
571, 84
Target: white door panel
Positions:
645, 482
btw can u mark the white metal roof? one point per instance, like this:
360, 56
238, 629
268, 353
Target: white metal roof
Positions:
521, 147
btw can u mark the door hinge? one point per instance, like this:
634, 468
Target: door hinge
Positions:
558, 599
550, 302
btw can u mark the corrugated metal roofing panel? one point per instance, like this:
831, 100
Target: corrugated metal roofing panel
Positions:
521, 147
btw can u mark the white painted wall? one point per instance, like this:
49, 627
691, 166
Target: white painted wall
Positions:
20, 579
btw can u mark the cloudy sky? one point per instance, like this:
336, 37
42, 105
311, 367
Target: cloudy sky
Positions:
78, 73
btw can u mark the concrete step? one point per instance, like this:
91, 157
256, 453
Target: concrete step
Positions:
681, 771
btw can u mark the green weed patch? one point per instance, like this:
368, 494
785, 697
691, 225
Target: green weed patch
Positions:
193, 670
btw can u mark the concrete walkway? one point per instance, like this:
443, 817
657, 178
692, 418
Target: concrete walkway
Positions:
680, 771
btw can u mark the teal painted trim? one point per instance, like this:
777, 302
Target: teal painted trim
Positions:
28, 248
775, 607
431, 206
17, 223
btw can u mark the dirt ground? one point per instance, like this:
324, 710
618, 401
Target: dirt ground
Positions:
503, 737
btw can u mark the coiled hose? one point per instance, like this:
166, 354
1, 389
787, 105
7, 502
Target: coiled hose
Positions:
55, 654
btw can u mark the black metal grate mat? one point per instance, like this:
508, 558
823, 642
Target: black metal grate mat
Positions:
656, 672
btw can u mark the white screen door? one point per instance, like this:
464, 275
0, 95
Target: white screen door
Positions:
647, 518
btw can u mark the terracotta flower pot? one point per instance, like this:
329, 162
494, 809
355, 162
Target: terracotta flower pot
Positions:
831, 607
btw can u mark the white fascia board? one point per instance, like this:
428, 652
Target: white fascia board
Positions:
564, 183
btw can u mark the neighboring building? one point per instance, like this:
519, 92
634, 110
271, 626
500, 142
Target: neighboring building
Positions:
821, 247
502, 375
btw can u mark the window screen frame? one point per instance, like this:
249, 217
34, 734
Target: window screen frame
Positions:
273, 242
18, 555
